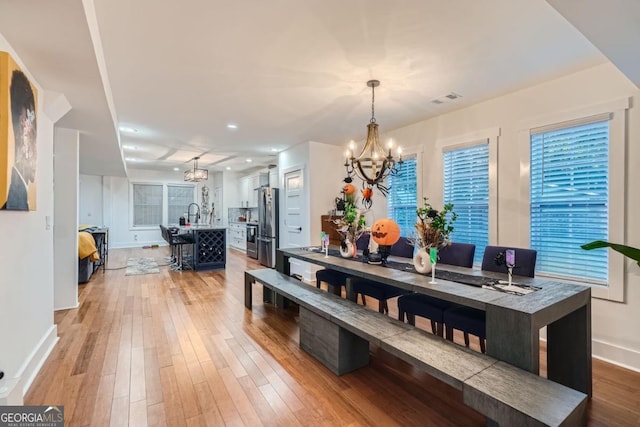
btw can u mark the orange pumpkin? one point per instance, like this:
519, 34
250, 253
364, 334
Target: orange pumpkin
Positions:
367, 193
385, 232
349, 189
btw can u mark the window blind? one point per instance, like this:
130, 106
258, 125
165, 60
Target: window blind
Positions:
466, 185
178, 199
569, 200
147, 205
401, 200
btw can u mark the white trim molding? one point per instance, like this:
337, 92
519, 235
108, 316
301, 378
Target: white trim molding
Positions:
616, 110
490, 136
13, 390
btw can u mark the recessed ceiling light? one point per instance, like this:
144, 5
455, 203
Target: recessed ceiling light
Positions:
129, 147
249, 160
176, 169
128, 129
232, 126
228, 168
275, 150
130, 159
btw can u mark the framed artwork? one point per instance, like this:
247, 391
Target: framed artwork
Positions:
18, 137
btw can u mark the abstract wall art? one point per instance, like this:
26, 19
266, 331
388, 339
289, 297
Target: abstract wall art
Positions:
18, 137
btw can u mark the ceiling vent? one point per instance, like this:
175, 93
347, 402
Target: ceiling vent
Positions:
446, 98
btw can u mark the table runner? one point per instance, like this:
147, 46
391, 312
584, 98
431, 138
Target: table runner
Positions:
466, 279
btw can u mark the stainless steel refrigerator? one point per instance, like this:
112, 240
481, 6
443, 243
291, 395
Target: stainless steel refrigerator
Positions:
267, 225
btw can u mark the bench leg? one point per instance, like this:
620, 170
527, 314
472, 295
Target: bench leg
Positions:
267, 295
335, 347
248, 289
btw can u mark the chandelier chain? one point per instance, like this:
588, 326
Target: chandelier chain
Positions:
373, 100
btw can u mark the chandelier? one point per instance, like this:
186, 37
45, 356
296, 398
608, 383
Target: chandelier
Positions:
373, 165
195, 174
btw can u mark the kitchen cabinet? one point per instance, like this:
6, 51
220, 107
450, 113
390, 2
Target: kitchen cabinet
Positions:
248, 185
245, 191
273, 178
238, 236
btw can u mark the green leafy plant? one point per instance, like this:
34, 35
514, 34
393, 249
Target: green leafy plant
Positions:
628, 251
352, 224
433, 227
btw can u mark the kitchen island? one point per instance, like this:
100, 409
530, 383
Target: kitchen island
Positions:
208, 250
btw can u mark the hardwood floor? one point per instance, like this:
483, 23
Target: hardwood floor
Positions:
179, 348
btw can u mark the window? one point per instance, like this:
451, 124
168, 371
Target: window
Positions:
569, 183
401, 200
178, 199
147, 205
466, 185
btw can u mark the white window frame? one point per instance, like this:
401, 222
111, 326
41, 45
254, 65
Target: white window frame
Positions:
488, 136
616, 109
481, 143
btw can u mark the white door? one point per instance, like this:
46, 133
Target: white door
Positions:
295, 231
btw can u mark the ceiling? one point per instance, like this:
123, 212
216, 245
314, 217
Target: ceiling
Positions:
154, 84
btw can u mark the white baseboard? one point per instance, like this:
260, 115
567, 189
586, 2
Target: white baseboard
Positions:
624, 357
13, 390
76, 305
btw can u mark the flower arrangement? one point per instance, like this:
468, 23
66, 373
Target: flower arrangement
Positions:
433, 227
352, 224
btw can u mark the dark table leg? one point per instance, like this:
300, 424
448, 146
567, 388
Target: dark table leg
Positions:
282, 263
351, 295
569, 350
248, 290
512, 338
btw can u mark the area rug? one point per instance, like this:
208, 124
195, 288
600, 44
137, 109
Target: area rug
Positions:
137, 266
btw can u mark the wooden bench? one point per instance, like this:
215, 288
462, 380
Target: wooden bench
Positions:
337, 332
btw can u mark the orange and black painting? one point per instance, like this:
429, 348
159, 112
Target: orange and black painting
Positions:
18, 137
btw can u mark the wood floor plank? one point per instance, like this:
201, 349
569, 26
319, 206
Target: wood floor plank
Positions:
156, 416
138, 414
119, 412
137, 384
171, 397
180, 348
190, 404
223, 399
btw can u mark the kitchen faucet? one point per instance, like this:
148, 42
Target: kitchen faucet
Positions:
197, 214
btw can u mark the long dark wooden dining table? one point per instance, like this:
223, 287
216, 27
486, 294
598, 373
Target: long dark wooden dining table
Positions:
513, 322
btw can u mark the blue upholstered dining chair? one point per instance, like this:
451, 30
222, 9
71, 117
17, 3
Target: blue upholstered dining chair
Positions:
412, 305
473, 321
334, 279
380, 291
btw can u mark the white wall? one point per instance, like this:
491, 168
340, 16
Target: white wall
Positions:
66, 169
326, 172
27, 331
614, 325
91, 194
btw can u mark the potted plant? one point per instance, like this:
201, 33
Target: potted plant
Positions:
351, 226
628, 251
433, 228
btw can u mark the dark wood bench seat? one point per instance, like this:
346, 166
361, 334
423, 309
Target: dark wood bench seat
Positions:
337, 332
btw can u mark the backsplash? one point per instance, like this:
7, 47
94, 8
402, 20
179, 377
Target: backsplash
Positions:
243, 214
